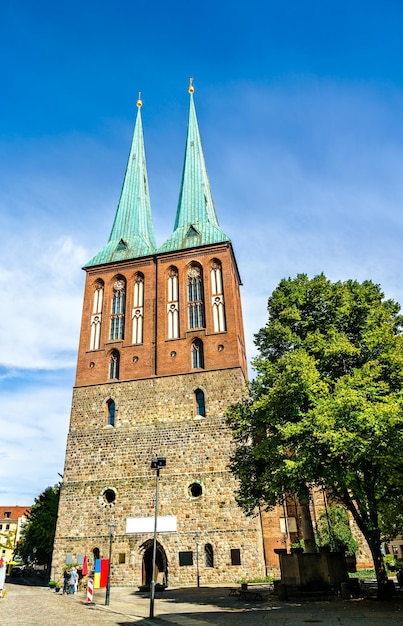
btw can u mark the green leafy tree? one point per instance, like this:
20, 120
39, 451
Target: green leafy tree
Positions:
325, 407
334, 530
38, 535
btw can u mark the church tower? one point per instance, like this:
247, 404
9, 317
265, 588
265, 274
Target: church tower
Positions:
161, 356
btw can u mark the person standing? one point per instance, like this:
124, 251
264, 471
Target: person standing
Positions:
72, 581
66, 577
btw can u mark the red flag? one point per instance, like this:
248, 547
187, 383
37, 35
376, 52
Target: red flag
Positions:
85, 567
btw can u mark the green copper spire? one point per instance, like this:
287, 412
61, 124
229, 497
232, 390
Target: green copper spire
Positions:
196, 221
132, 234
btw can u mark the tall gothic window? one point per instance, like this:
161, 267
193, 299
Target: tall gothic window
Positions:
199, 402
96, 317
197, 354
138, 308
114, 365
208, 555
173, 303
110, 405
118, 310
195, 297
217, 297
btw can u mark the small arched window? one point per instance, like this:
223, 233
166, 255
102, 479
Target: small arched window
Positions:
138, 309
96, 555
208, 555
114, 365
199, 402
197, 354
118, 310
96, 317
110, 405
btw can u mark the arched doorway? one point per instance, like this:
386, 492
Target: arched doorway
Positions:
161, 563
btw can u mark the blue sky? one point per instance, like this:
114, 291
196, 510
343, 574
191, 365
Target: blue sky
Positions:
300, 111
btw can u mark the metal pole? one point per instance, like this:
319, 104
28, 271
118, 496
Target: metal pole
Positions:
108, 583
197, 562
152, 596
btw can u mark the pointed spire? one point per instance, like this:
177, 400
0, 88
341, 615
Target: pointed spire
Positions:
196, 221
132, 234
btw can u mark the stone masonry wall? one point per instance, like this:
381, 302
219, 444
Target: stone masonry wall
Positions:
156, 400
155, 417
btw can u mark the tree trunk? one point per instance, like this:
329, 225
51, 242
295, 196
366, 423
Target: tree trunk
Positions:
373, 538
384, 588
307, 527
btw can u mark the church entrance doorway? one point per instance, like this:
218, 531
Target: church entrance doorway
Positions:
161, 564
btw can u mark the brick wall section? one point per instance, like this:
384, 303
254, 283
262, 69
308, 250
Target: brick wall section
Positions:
154, 354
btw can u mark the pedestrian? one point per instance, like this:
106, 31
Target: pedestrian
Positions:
72, 581
66, 577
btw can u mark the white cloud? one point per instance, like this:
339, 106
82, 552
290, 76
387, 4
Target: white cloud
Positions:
41, 303
33, 427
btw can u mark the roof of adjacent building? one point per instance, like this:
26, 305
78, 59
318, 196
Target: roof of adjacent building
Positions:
15, 512
196, 221
132, 234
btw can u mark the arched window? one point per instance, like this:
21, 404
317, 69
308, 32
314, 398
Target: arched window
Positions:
110, 405
173, 303
195, 297
95, 555
197, 354
208, 555
199, 402
118, 310
138, 309
114, 365
217, 297
96, 317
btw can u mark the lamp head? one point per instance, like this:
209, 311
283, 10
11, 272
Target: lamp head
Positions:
160, 461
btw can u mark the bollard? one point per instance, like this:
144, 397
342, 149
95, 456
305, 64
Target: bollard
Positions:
345, 591
282, 593
90, 590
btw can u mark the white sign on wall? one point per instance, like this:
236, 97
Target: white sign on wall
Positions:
165, 524
288, 525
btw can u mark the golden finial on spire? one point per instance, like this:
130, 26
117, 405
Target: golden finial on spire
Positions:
191, 89
139, 100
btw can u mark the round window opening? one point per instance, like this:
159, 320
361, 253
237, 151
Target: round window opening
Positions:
109, 496
195, 490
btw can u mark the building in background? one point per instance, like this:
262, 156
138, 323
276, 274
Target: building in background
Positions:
12, 521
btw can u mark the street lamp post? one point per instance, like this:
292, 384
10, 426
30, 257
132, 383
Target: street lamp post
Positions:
156, 464
197, 560
111, 529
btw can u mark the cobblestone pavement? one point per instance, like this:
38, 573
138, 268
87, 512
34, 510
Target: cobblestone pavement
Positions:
206, 606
